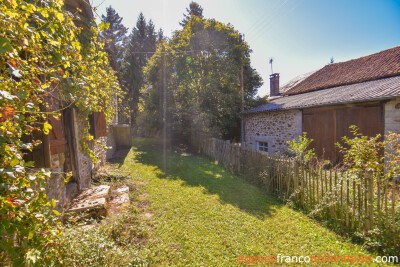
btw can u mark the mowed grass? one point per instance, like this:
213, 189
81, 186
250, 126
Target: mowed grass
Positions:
202, 215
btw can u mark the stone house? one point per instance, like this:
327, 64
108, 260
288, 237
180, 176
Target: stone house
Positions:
364, 92
60, 149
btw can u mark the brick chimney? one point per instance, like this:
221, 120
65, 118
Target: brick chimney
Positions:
274, 84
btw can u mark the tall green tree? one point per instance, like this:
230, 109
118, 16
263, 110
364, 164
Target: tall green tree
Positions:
194, 81
194, 10
160, 35
114, 36
140, 46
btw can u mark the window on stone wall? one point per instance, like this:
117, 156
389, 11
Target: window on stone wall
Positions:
262, 146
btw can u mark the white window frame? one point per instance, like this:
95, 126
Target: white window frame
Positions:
263, 146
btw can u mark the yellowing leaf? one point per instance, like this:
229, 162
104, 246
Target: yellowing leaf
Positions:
60, 17
47, 128
54, 42
57, 116
53, 203
76, 45
12, 3
14, 162
56, 212
104, 26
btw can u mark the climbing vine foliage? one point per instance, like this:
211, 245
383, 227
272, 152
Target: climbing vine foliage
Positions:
42, 54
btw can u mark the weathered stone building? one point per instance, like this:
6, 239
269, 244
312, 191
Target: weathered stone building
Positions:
364, 92
61, 150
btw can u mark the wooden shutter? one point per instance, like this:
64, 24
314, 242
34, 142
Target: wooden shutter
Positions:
57, 140
98, 125
58, 143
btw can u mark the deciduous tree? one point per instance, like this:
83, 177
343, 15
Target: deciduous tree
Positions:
194, 81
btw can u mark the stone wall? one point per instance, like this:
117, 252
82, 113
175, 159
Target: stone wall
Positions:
99, 145
274, 128
392, 116
99, 149
84, 161
392, 124
55, 186
111, 143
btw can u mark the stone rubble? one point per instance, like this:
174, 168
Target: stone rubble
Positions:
99, 202
119, 200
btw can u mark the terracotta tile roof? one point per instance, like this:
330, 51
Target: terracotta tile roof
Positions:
382, 89
376, 66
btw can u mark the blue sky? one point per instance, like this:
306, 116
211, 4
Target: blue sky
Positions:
301, 35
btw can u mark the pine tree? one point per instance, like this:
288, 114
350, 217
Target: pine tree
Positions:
140, 47
114, 36
160, 36
194, 10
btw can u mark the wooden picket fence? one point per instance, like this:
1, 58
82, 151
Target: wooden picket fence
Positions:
357, 201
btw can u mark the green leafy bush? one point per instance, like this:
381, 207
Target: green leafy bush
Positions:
392, 155
300, 148
362, 153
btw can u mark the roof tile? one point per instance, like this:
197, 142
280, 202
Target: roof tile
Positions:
381, 89
376, 66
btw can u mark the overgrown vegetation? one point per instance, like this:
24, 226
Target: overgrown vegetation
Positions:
116, 241
43, 55
363, 157
365, 167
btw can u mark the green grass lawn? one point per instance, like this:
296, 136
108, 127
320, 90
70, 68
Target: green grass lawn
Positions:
202, 215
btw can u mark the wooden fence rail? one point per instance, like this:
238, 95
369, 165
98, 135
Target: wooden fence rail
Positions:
358, 201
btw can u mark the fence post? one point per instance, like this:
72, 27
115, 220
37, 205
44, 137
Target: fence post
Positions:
239, 148
366, 217
393, 202
347, 200
371, 200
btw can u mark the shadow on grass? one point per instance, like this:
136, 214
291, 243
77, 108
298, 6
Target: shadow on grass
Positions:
119, 156
199, 171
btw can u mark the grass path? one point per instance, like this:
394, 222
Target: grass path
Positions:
202, 215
